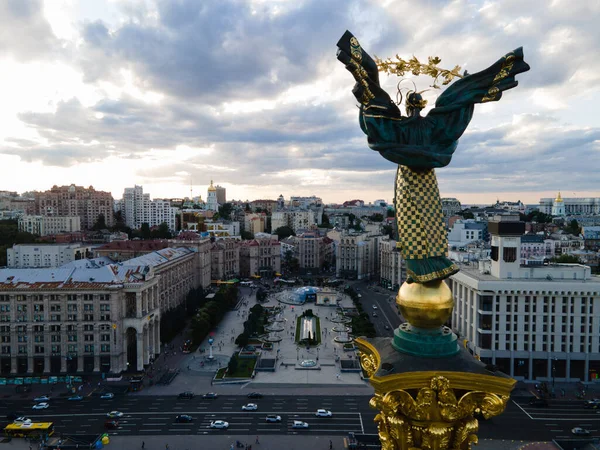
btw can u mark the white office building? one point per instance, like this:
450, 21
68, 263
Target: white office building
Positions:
49, 225
533, 322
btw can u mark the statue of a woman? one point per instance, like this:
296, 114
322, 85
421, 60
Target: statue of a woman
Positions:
420, 144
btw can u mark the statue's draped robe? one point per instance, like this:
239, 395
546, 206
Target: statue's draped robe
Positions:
420, 144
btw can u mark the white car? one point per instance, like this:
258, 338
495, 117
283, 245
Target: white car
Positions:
114, 414
107, 395
273, 418
323, 413
43, 398
41, 406
219, 424
375, 307
22, 420
578, 431
299, 424
250, 407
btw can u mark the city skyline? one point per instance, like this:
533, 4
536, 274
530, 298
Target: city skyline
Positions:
250, 94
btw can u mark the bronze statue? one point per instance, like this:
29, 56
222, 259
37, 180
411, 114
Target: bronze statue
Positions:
420, 144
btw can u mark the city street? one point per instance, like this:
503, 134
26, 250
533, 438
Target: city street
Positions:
155, 415
386, 312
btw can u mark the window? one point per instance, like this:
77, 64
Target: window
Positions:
88, 317
55, 318
88, 307
38, 349
55, 349
509, 254
22, 349
88, 337
6, 349
72, 338
38, 307
104, 306
89, 348
4, 308
88, 328
72, 317
55, 338
72, 307
494, 253
105, 337
5, 339
72, 348
105, 348
55, 308
38, 338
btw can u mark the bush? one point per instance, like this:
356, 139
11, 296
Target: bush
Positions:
233, 364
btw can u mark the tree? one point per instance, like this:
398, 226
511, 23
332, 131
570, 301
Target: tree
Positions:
242, 340
284, 232
10, 235
145, 231
225, 211
161, 232
390, 212
388, 230
573, 228
466, 214
566, 259
100, 223
377, 217
246, 235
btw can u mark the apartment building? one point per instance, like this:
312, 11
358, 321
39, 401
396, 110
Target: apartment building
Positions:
356, 256
22, 256
49, 225
533, 322
137, 208
76, 201
255, 222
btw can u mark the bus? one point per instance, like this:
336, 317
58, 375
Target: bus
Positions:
30, 430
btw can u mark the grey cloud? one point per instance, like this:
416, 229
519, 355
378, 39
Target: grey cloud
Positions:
25, 34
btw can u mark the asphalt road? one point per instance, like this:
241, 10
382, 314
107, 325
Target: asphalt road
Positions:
148, 415
386, 312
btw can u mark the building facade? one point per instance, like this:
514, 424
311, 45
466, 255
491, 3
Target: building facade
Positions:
260, 256
390, 264
534, 323
49, 225
225, 259
76, 201
22, 256
572, 206
137, 209
212, 204
355, 256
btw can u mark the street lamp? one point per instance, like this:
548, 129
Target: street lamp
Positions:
297, 353
554, 371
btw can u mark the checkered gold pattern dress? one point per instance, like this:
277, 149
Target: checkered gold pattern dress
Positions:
422, 235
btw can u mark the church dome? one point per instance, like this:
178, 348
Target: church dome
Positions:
558, 198
211, 187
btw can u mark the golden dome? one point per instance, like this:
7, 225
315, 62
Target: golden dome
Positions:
559, 198
211, 187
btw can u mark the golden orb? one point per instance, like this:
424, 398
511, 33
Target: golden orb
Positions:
425, 305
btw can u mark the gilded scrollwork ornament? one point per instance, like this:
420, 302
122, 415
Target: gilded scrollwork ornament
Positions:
432, 418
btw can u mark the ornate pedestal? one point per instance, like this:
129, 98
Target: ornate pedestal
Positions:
428, 389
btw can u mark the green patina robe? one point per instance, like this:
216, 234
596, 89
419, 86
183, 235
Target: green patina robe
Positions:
420, 144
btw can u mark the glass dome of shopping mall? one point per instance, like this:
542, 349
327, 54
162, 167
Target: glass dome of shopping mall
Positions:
304, 294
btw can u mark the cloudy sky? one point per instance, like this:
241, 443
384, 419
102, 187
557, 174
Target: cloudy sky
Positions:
113, 93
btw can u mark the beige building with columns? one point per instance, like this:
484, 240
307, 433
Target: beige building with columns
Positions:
79, 319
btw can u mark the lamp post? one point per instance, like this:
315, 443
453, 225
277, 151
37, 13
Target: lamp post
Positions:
297, 353
554, 371
210, 343
317, 353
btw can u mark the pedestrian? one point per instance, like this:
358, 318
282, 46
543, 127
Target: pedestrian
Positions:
330, 444
257, 440
143, 444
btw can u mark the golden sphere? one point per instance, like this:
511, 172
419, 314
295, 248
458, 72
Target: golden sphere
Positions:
425, 305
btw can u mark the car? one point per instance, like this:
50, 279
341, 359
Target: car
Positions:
183, 418
592, 404
374, 314
578, 431
219, 424
299, 424
111, 424
22, 420
114, 414
210, 395
272, 418
538, 402
186, 394
43, 398
75, 398
323, 413
41, 406
254, 395
375, 307
250, 407
107, 395
387, 327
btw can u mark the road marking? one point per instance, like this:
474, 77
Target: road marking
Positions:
361, 423
519, 406
551, 424
148, 429
557, 430
180, 429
